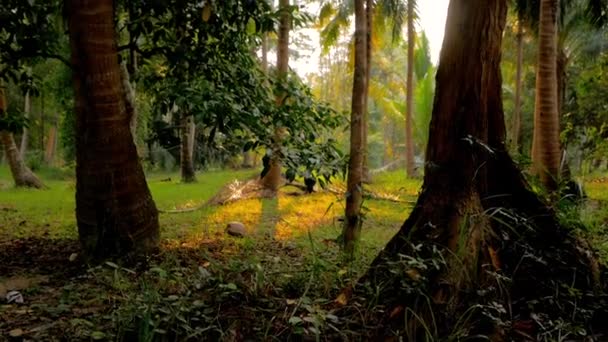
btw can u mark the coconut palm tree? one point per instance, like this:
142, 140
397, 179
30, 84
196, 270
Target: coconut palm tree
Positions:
115, 212
352, 224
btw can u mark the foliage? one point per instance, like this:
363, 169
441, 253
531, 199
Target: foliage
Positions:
586, 121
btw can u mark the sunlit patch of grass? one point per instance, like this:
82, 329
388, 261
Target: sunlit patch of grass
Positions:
248, 212
396, 182
300, 214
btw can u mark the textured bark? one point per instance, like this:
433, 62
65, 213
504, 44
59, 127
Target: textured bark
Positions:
476, 212
25, 135
114, 208
516, 134
187, 149
272, 179
369, 14
129, 101
22, 175
409, 135
352, 223
545, 146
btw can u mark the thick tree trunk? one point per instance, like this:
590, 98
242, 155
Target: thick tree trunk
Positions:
476, 219
545, 146
516, 132
22, 175
354, 198
187, 149
409, 135
272, 179
369, 14
114, 208
25, 135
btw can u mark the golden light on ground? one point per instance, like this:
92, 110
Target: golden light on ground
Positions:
248, 212
301, 214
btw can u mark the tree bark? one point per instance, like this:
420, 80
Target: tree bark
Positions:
114, 208
187, 149
272, 179
545, 146
468, 177
409, 136
354, 198
518, 87
22, 175
25, 135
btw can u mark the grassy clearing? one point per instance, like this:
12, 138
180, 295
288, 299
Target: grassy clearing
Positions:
287, 266
277, 283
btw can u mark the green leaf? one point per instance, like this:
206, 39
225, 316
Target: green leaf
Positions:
251, 27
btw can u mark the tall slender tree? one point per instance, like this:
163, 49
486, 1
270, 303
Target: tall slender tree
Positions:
516, 129
27, 105
272, 179
114, 208
545, 143
409, 135
354, 192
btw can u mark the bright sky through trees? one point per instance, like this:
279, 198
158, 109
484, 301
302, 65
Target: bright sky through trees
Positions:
432, 20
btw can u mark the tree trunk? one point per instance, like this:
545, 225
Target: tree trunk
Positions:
369, 14
515, 148
475, 209
114, 208
25, 135
272, 179
409, 136
51, 143
354, 198
22, 175
546, 148
187, 149
130, 105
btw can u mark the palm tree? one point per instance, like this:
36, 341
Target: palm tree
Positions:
272, 180
409, 137
352, 224
114, 208
22, 175
545, 143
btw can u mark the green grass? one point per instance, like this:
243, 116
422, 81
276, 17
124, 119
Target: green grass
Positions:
288, 267
50, 212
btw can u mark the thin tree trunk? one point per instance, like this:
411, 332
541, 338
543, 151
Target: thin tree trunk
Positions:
24, 136
114, 208
546, 148
369, 13
42, 123
51, 143
272, 179
130, 105
409, 136
354, 198
515, 148
186, 150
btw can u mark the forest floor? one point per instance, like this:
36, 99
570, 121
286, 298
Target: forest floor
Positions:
279, 282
